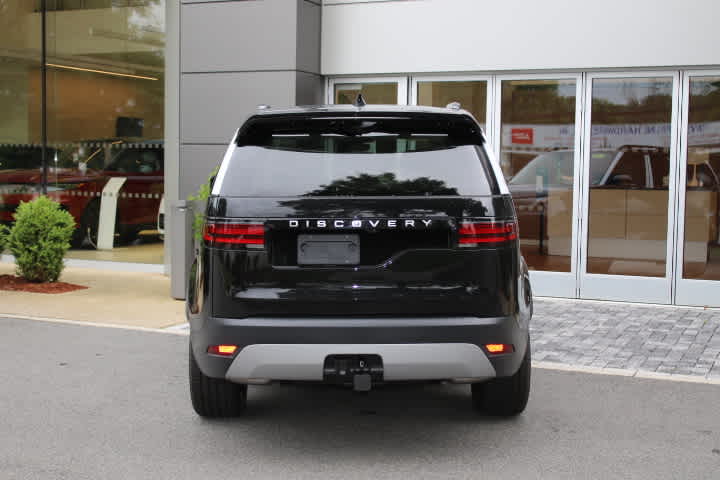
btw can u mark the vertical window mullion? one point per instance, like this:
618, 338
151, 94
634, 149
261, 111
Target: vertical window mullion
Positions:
43, 94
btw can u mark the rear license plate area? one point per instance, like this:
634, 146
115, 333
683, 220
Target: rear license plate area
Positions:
341, 369
328, 249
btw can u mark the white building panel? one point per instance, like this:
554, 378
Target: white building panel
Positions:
480, 35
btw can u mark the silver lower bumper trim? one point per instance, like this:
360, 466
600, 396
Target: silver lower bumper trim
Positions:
261, 363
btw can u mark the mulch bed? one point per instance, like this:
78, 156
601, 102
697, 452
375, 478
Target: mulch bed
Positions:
18, 284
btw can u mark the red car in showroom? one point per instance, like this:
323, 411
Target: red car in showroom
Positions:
77, 179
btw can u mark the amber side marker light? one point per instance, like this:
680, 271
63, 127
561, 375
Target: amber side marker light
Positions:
496, 348
224, 350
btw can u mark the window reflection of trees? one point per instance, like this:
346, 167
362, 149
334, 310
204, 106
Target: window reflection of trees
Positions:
383, 184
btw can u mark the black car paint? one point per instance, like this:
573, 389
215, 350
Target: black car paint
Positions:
450, 294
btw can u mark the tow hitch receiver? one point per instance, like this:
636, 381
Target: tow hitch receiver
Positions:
360, 371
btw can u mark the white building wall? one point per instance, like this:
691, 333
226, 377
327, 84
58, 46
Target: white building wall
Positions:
481, 35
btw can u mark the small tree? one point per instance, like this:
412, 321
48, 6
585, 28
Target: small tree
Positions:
39, 239
200, 202
3, 237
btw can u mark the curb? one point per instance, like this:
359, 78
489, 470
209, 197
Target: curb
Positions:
167, 330
622, 372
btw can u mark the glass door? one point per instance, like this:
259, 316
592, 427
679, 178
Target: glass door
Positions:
537, 144
698, 252
377, 91
628, 186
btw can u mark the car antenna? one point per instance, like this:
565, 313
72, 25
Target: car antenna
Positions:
360, 101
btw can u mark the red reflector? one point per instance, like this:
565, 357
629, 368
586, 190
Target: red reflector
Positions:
487, 232
499, 348
234, 233
224, 350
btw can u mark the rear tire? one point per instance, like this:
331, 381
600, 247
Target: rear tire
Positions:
87, 230
215, 397
505, 396
127, 234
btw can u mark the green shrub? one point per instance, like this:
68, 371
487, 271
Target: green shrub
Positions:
39, 239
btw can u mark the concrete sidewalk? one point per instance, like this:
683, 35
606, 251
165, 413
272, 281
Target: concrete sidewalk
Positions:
112, 297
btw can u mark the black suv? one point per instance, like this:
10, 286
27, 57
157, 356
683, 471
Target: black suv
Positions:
359, 245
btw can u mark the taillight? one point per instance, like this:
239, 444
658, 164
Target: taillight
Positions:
487, 232
222, 350
498, 348
219, 234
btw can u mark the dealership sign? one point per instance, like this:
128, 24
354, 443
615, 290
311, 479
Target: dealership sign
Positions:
548, 137
522, 136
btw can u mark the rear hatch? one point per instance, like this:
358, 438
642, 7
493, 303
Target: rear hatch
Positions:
365, 214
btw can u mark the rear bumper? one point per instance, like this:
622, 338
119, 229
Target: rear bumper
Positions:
294, 349
458, 362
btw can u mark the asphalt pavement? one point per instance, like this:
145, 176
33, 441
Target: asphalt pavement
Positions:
81, 402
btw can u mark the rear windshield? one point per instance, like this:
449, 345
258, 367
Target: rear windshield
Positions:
266, 172
366, 155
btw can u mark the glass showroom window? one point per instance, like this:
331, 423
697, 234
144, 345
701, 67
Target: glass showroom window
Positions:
104, 119
471, 94
629, 176
20, 136
701, 254
537, 138
375, 93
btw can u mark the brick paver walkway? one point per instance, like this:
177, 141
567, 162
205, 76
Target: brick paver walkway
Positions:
651, 338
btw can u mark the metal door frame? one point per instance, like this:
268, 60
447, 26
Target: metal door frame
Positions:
549, 283
689, 291
627, 287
